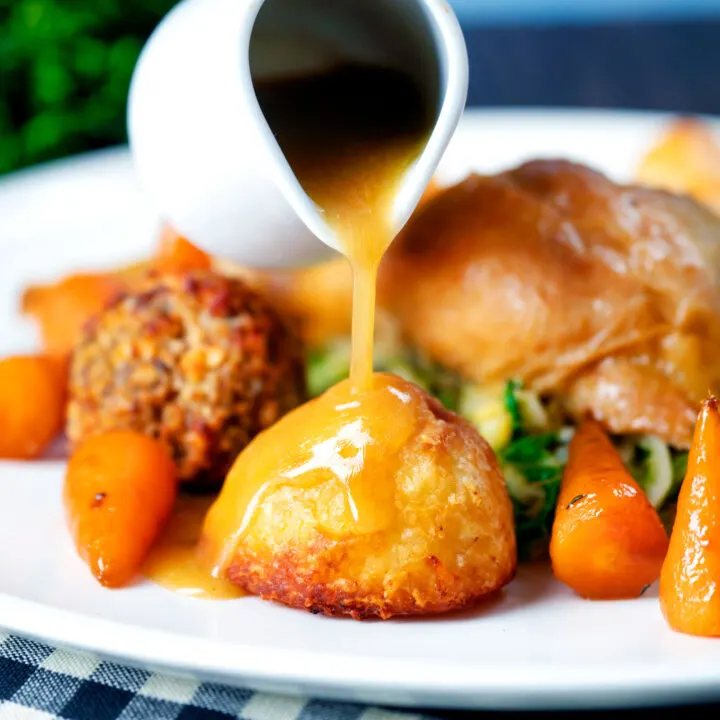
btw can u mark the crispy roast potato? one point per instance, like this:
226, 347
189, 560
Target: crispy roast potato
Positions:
543, 272
425, 526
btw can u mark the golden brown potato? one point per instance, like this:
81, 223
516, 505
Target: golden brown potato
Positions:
387, 505
685, 159
542, 272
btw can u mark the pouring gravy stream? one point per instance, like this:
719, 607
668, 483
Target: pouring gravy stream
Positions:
349, 136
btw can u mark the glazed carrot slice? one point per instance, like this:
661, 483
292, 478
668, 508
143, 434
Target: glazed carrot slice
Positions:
690, 578
607, 540
176, 254
119, 491
63, 308
32, 404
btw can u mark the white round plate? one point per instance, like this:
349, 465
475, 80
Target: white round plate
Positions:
538, 646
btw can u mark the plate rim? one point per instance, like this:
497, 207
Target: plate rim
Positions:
395, 682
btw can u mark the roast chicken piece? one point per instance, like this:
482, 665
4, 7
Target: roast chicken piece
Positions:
604, 295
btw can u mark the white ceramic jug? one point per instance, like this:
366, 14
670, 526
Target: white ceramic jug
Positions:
200, 143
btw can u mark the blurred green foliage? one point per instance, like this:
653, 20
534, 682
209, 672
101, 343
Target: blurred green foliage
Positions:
65, 68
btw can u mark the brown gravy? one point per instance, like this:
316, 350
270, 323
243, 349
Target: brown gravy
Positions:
175, 563
349, 136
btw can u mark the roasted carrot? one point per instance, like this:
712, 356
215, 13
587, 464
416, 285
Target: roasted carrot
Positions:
607, 540
32, 404
63, 308
176, 254
119, 490
690, 578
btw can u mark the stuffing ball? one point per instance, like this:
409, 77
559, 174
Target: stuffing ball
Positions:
199, 361
442, 537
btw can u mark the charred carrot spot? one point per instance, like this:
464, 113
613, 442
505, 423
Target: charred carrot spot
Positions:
98, 500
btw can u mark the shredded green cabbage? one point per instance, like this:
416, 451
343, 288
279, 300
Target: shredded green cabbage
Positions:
533, 463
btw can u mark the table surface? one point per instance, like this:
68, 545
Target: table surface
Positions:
664, 66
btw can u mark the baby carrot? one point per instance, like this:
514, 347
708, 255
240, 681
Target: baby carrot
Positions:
119, 491
32, 404
690, 578
176, 254
607, 540
62, 309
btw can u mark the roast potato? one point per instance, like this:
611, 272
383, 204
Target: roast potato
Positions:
422, 522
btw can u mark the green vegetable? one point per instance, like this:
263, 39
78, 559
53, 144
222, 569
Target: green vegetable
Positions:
512, 404
487, 411
533, 467
65, 68
530, 449
446, 390
679, 468
652, 468
327, 366
440, 382
535, 415
656, 468
528, 497
330, 363
405, 370
667, 516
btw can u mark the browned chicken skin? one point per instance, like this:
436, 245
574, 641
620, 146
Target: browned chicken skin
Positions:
550, 273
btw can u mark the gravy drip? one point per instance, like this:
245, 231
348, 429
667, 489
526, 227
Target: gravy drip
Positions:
349, 136
341, 446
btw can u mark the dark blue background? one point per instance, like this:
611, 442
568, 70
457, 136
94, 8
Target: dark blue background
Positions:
633, 64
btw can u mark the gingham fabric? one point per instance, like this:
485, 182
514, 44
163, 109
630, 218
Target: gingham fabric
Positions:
38, 682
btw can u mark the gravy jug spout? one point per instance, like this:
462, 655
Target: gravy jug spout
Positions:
204, 145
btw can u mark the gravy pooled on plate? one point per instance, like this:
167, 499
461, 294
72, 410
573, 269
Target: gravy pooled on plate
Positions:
174, 562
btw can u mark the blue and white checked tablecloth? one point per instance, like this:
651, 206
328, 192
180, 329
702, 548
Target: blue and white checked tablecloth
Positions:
671, 67
38, 682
